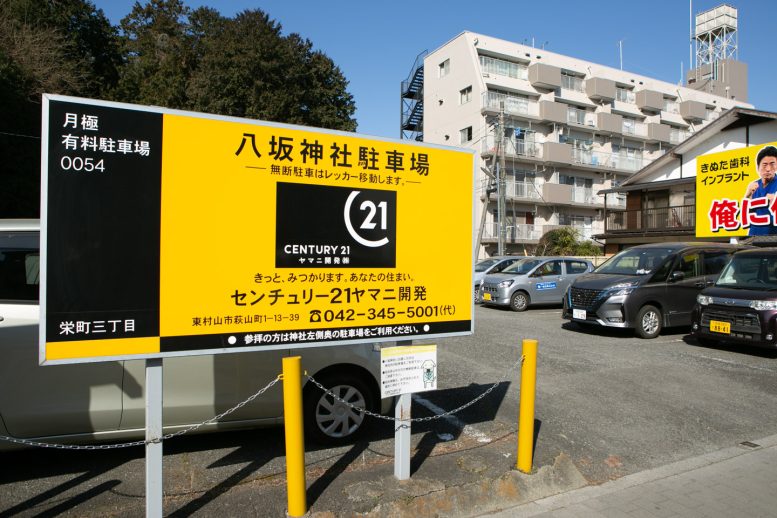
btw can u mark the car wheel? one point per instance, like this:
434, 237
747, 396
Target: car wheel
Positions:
519, 301
332, 422
649, 321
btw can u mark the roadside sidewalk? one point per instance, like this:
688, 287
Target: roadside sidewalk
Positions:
735, 481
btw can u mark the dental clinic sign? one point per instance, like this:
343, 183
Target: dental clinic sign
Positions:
167, 233
736, 192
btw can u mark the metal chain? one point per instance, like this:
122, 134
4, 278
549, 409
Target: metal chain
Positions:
416, 419
243, 403
144, 442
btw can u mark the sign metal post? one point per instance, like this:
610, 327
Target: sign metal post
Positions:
402, 437
154, 437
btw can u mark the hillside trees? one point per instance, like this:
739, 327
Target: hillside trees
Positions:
162, 53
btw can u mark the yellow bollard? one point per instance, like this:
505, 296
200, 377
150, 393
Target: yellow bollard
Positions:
526, 413
295, 440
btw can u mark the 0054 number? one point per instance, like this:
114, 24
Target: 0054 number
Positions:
78, 163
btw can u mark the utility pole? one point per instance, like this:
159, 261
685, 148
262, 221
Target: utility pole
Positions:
501, 184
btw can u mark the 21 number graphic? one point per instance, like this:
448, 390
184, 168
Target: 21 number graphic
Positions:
368, 223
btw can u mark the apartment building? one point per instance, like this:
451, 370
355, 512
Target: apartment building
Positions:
560, 130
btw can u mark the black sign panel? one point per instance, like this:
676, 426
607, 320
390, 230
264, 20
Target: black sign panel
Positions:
104, 188
320, 226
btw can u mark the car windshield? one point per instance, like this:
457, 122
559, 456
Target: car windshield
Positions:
522, 266
751, 272
485, 264
635, 261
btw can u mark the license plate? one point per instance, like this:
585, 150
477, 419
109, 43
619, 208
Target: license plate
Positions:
486, 296
720, 327
578, 314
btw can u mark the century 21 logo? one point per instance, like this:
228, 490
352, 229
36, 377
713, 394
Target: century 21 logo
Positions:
372, 209
322, 226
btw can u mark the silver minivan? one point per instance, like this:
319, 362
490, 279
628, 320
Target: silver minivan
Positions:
532, 280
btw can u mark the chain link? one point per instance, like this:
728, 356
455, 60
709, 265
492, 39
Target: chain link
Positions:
415, 419
142, 443
243, 403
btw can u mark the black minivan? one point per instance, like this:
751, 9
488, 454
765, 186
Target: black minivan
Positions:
647, 287
741, 309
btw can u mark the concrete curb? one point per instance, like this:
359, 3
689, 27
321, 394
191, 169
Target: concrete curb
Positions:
424, 497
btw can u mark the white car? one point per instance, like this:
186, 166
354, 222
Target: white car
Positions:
105, 401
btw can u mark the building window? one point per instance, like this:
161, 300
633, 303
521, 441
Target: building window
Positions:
501, 67
466, 134
671, 106
571, 82
465, 95
629, 126
624, 95
510, 102
575, 115
444, 68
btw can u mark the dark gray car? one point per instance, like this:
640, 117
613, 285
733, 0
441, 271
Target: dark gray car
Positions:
647, 287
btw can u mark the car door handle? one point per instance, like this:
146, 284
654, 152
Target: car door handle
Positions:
710, 283
699, 284
2, 318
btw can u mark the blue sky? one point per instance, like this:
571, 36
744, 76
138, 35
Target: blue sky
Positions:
375, 43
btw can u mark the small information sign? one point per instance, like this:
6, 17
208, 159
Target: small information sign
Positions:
408, 369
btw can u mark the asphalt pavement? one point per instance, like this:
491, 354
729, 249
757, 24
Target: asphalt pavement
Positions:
614, 413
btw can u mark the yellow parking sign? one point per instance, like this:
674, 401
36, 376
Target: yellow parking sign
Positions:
171, 233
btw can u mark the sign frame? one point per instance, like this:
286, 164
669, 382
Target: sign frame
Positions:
101, 350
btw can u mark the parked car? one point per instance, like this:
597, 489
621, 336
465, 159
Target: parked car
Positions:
647, 287
105, 401
742, 306
491, 265
532, 280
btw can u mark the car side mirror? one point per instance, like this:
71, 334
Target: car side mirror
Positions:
677, 276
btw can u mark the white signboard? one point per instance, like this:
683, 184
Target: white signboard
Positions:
408, 369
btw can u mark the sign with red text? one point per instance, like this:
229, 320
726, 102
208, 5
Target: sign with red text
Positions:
729, 200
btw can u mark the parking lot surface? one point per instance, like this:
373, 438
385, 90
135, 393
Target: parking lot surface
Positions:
608, 405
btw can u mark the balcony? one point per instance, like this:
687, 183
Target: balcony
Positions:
650, 101
635, 129
677, 135
581, 117
681, 217
513, 105
517, 189
524, 190
525, 233
513, 147
600, 89
693, 111
606, 160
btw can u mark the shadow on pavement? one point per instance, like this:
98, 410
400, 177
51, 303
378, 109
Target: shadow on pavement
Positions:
92, 472
731, 347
